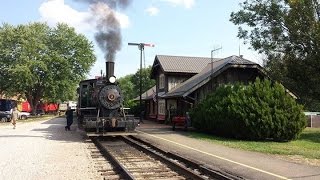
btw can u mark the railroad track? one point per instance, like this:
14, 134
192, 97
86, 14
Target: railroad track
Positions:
103, 165
132, 158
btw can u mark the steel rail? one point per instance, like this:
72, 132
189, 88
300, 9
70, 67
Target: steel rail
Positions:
216, 174
113, 160
172, 164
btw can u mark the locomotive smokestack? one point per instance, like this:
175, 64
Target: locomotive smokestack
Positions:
109, 69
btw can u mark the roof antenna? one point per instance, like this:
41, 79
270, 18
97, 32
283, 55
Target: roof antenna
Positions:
215, 49
212, 51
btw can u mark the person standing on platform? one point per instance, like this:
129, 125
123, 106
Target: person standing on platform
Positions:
69, 116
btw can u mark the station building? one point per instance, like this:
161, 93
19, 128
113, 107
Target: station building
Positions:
182, 82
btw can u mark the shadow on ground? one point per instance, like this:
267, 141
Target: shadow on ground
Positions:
56, 130
23, 136
153, 127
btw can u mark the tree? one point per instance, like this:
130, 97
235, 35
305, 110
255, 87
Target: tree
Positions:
288, 33
43, 63
147, 83
130, 86
127, 89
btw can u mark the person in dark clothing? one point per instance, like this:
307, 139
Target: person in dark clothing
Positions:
69, 116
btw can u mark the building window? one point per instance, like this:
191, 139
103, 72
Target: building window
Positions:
174, 81
161, 81
162, 106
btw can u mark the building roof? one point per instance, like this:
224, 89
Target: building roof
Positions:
218, 66
148, 94
180, 64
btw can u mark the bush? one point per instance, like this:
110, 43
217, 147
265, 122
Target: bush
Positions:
259, 111
134, 107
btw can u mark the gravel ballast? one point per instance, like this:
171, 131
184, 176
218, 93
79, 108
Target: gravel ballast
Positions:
44, 150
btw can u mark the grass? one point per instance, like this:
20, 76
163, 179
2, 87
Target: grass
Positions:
307, 146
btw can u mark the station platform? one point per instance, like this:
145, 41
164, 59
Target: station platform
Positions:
241, 163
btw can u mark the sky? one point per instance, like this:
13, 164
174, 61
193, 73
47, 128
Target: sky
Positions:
175, 27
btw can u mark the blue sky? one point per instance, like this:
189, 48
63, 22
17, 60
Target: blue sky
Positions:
176, 27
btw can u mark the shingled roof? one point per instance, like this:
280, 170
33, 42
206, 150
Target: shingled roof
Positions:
190, 85
181, 64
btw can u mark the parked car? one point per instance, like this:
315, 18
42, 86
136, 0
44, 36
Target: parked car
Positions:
23, 115
5, 116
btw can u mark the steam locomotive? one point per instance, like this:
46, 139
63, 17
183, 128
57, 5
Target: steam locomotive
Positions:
100, 107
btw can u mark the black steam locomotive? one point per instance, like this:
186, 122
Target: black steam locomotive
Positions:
100, 107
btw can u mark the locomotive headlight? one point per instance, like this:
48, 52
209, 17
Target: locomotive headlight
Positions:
112, 79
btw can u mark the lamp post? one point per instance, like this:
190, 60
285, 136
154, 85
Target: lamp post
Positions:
141, 48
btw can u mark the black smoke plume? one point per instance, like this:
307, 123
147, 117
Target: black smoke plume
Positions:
108, 35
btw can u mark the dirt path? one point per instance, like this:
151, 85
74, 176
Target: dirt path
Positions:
44, 150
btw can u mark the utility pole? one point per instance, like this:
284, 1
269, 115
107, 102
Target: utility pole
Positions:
141, 48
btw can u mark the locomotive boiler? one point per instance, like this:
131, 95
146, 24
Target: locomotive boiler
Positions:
100, 107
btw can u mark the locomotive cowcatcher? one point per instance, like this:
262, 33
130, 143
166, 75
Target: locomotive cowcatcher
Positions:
100, 105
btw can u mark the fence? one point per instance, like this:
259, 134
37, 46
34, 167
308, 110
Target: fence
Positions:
313, 119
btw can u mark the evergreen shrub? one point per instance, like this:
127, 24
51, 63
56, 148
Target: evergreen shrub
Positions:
258, 111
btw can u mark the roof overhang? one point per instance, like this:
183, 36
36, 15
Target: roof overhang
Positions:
219, 71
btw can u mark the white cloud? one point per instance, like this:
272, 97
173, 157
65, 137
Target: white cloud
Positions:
123, 19
186, 3
152, 11
54, 11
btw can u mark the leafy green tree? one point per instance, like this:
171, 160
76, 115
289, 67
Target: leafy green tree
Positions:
130, 86
127, 89
147, 83
288, 33
43, 63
